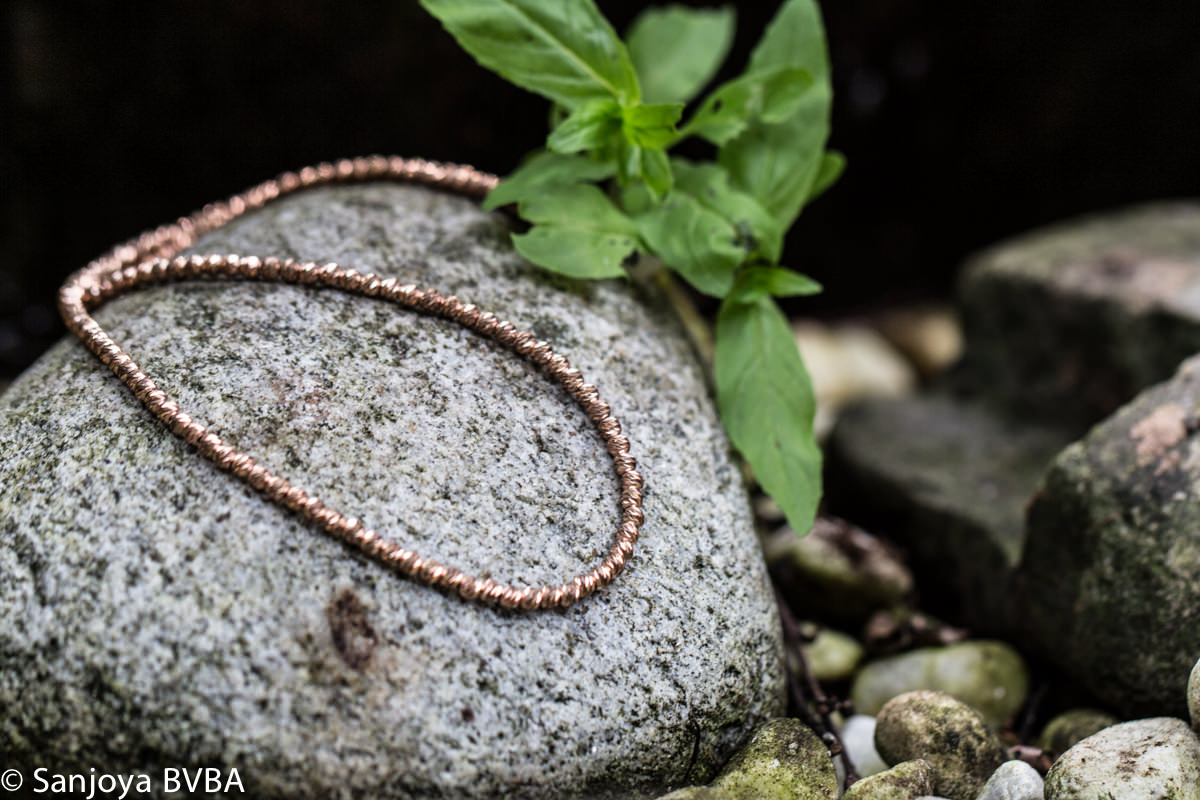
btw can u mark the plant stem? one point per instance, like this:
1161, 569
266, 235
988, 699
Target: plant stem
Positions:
812, 704
650, 270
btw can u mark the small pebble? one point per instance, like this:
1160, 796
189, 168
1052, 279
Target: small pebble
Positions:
1146, 759
1071, 727
1193, 694
836, 573
930, 336
858, 736
947, 733
990, 677
833, 656
847, 363
905, 781
1013, 780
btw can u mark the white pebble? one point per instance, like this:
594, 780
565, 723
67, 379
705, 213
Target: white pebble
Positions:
858, 734
1014, 780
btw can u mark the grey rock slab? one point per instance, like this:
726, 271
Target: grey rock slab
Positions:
1146, 759
949, 480
947, 733
158, 612
1110, 577
989, 676
1014, 780
1070, 322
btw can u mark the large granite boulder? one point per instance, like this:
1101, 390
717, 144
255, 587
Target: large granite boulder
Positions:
158, 612
1110, 576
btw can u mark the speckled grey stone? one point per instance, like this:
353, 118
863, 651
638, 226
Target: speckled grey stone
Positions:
158, 612
1146, 759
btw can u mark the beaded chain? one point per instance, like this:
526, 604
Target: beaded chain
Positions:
153, 258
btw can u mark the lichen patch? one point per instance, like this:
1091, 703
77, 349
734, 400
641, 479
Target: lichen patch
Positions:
1155, 435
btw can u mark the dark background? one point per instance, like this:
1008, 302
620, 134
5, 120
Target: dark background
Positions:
963, 123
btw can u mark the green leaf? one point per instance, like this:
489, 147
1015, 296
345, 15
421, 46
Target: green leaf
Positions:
757, 231
677, 50
590, 126
754, 283
656, 171
577, 232
652, 125
649, 166
543, 170
636, 198
833, 164
778, 162
766, 402
770, 96
563, 50
699, 244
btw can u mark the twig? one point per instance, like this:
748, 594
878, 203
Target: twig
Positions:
1032, 707
812, 704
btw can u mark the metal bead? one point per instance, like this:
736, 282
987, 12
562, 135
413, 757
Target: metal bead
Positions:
155, 256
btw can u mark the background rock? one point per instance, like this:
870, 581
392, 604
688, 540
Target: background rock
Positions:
159, 612
1070, 322
949, 481
1111, 573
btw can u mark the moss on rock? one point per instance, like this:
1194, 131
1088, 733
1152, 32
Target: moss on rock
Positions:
784, 760
907, 780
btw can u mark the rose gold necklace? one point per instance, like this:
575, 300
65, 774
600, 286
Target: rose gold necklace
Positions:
153, 258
